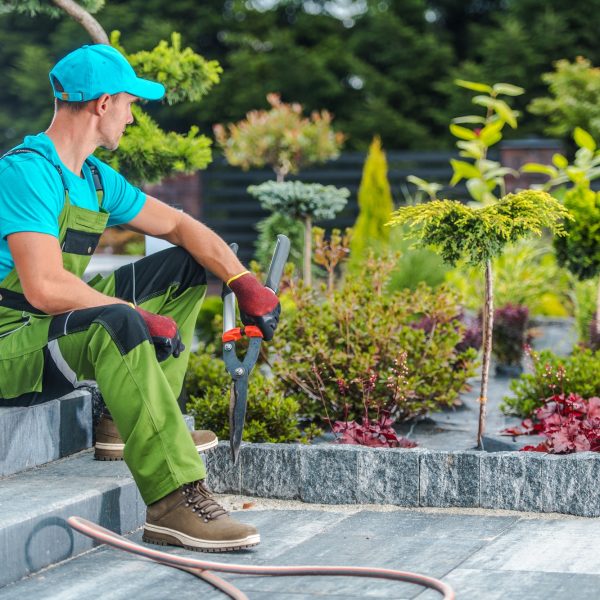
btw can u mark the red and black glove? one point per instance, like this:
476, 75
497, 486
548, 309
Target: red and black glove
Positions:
164, 333
258, 304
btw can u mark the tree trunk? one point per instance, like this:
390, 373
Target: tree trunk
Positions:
307, 251
85, 19
488, 326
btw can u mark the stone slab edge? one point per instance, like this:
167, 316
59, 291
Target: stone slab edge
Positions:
336, 474
35, 435
33, 544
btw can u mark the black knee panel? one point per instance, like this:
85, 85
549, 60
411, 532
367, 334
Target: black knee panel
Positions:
125, 325
156, 273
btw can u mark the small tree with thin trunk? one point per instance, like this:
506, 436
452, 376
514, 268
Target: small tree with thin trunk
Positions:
478, 234
305, 202
281, 138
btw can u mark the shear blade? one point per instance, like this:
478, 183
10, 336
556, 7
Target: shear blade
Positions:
237, 416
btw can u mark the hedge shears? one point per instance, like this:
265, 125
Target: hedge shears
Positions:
241, 369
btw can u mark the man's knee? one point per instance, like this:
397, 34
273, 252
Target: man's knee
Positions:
121, 322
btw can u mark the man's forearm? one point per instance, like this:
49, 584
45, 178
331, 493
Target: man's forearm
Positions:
67, 292
210, 250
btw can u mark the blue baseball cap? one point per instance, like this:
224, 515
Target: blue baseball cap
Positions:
90, 71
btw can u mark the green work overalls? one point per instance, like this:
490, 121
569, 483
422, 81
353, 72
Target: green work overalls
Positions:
111, 345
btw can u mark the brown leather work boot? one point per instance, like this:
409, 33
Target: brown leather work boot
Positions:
109, 445
192, 518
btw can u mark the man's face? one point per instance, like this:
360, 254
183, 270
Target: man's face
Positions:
115, 120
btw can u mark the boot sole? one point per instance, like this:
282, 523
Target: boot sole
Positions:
104, 451
163, 536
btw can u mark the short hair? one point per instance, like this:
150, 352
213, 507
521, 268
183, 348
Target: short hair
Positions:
74, 107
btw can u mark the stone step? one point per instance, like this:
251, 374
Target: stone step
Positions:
36, 435
39, 434
35, 504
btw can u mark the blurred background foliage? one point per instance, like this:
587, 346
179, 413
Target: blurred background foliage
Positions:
383, 67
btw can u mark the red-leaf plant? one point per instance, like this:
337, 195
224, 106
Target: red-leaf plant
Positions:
569, 422
377, 432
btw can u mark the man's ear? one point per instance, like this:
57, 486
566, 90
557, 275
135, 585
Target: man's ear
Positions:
101, 104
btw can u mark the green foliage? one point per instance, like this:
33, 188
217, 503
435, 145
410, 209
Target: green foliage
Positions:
413, 265
479, 234
576, 374
271, 417
147, 154
584, 300
574, 99
375, 204
584, 169
579, 250
397, 348
300, 200
281, 138
482, 175
526, 273
187, 76
207, 329
269, 228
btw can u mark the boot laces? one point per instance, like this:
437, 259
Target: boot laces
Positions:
199, 497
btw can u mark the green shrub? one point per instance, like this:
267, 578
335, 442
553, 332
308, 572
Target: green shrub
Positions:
268, 229
366, 346
414, 265
208, 327
576, 374
585, 295
271, 417
579, 251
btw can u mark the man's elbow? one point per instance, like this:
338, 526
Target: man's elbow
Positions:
39, 295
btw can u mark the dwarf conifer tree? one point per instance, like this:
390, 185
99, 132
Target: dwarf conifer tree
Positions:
477, 235
375, 204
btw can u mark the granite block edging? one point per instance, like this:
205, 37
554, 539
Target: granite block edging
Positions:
344, 474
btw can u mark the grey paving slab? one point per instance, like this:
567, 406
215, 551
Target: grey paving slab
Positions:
419, 542
500, 585
554, 546
481, 555
35, 504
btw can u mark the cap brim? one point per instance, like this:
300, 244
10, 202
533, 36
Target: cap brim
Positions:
146, 89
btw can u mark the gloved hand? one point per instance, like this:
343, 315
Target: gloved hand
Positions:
258, 304
164, 333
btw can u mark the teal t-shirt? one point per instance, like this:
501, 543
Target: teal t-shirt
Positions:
32, 194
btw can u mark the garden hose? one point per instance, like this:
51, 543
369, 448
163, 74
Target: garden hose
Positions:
202, 568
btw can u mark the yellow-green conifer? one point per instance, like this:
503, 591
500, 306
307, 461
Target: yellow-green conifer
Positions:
375, 204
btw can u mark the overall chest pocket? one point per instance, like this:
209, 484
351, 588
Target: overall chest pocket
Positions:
80, 242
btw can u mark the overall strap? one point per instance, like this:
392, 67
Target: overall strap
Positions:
57, 167
97, 180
